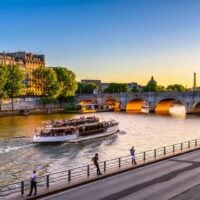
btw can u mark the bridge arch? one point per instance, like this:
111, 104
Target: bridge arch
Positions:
136, 105
112, 103
170, 105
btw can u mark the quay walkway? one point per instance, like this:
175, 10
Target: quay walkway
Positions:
177, 178
162, 173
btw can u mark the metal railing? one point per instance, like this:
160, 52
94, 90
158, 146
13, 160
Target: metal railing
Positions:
84, 173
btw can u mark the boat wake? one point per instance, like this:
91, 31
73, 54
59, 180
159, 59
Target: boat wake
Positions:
15, 148
8, 145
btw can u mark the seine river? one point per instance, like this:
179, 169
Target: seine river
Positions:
18, 155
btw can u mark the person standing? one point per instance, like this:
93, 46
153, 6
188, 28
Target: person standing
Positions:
33, 182
132, 152
95, 161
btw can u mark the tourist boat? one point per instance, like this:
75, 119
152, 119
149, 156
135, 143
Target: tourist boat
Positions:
71, 122
74, 134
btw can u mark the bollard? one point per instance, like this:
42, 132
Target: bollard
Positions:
88, 170
69, 175
22, 187
104, 166
155, 153
195, 143
164, 150
189, 144
181, 146
47, 179
119, 162
173, 148
144, 156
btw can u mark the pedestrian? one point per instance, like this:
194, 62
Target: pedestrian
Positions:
132, 152
95, 161
33, 183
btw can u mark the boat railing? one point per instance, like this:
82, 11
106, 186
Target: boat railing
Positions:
87, 172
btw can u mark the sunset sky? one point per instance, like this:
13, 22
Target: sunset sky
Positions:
111, 40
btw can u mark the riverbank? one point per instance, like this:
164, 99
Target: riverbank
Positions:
32, 112
45, 111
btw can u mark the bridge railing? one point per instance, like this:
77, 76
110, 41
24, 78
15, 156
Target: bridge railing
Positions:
84, 173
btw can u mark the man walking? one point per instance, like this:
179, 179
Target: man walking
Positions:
33, 183
95, 161
132, 152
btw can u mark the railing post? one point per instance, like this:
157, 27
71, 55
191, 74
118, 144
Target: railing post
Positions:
195, 143
173, 148
47, 179
164, 150
119, 162
181, 146
189, 144
155, 153
104, 166
22, 187
88, 170
69, 175
144, 156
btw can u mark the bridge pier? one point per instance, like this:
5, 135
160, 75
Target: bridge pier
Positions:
152, 107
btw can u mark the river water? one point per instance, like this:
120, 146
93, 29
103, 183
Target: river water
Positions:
18, 155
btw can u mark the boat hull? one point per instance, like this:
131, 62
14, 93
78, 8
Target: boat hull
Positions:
73, 138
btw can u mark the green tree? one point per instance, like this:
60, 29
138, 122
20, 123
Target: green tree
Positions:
86, 88
161, 88
15, 82
67, 81
46, 80
3, 80
176, 88
134, 89
116, 87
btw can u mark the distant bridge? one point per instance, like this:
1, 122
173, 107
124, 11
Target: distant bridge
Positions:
124, 101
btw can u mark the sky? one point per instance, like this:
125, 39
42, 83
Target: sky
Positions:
111, 40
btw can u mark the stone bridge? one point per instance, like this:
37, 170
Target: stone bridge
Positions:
191, 100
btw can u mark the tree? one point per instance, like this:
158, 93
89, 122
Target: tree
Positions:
67, 82
176, 88
86, 88
15, 82
46, 80
161, 88
134, 89
116, 87
3, 80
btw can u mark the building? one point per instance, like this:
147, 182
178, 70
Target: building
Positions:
28, 62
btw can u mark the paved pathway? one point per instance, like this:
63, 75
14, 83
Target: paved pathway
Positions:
175, 178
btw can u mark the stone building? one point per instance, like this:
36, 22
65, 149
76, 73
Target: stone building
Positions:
28, 62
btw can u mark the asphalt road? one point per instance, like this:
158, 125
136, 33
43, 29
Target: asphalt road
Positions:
176, 178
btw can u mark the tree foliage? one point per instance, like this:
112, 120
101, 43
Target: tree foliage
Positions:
116, 87
134, 89
15, 81
86, 88
3, 81
67, 82
176, 88
46, 79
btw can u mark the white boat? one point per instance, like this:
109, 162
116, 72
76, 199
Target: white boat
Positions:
75, 134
